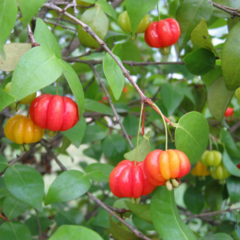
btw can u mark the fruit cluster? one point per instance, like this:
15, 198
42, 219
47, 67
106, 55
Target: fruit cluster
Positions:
213, 161
135, 179
47, 111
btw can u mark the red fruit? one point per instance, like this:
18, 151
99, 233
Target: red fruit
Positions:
160, 166
229, 112
125, 90
238, 166
162, 34
54, 112
129, 180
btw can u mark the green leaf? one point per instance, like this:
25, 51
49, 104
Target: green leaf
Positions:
14, 231
8, 14
102, 219
95, 151
45, 37
99, 172
137, 10
201, 38
37, 68
76, 133
75, 84
107, 8
170, 226
228, 3
229, 143
219, 98
200, 61
140, 210
67, 186
96, 106
32, 224
191, 135
94, 133
27, 185
218, 236
3, 161
6, 81
143, 150
13, 52
212, 75
114, 146
189, 14
172, 96
229, 165
233, 187
114, 75
130, 124
213, 195
5, 99
29, 8
3, 190
74, 233
231, 59
194, 200
12, 207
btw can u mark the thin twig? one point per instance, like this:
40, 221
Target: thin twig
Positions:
60, 25
39, 226
50, 152
112, 106
31, 37
232, 11
131, 228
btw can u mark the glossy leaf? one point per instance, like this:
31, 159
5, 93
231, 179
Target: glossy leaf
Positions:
143, 150
3, 190
5, 99
231, 59
171, 226
27, 185
95, 151
218, 98
189, 14
140, 210
45, 37
229, 165
14, 231
67, 186
191, 135
94, 133
99, 172
218, 236
74, 233
102, 220
75, 85
13, 52
171, 96
233, 187
36, 69
107, 8
114, 146
29, 8
213, 195
76, 133
3, 161
8, 13
96, 106
229, 143
200, 61
211, 76
114, 75
194, 200
13, 207
201, 38
137, 10
32, 224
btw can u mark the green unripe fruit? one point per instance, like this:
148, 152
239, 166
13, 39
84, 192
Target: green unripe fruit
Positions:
237, 93
211, 158
220, 173
96, 19
27, 100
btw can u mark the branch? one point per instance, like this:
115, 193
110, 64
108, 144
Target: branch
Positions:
112, 106
39, 225
232, 11
131, 228
31, 37
50, 152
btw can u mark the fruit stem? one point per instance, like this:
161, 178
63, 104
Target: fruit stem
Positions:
169, 185
165, 126
139, 127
